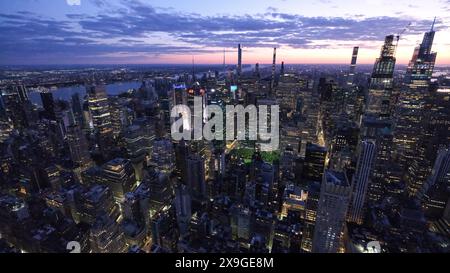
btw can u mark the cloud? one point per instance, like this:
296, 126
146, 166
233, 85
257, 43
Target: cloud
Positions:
138, 29
100, 3
73, 2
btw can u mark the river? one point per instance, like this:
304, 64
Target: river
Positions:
65, 93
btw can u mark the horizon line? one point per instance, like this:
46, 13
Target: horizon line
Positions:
196, 64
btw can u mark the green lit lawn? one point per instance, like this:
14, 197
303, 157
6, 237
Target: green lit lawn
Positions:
246, 154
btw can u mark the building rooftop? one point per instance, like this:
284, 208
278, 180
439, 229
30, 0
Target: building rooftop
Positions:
337, 178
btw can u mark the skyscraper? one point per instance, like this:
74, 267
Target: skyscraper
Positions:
196, 175
101, 116
421, 66
272, 81
138, 141
434, 194
360, 180
16, 106
334, 198
22, 91
119, 176
77, 109
257, 74
351, 72
48, 104
183, 207
78, 146
239, 68
314, 164
381, 81
412, 102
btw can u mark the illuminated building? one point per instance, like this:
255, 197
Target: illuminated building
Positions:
381, 81
361, 180
420, 68
106, 236
121, 115
161, 191
351, 72
101, 116
94, 202
294, 199
241, 223
312, 203
412, 102
314, 165
334, 198
139, 139
77, 109
272, 80
119, 176
78, 146
52, 177
435, 193
163, 155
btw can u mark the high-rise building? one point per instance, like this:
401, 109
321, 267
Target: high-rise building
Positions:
163, 155
139, 138
77, 108
241, 221
119, 176
239, 67
78, 146
106, 236
181, 154
257, 73
435, 193
412, 102
160, 191
196, 175
121, 115
48, 104
421, 66
381, 81
16, 106
52, 177
101, 116
351, 72
334, 199
22, 91
183, 208
314, 163
272, 81
312, 203
94, 202
361, 180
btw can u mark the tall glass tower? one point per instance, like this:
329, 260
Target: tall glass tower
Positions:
381, 81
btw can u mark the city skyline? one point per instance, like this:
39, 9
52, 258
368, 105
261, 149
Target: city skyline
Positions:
240, 157
155, 32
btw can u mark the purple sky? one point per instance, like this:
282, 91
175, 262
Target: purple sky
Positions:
170, 31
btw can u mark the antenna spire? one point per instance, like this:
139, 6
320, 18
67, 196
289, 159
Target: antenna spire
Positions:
434, 21
224, 59
193, 68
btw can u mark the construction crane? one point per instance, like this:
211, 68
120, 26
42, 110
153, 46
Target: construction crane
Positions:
401, 32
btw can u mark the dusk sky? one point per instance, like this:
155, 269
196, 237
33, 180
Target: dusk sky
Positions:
173, 31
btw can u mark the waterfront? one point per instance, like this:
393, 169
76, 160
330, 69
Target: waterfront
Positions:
65, 93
